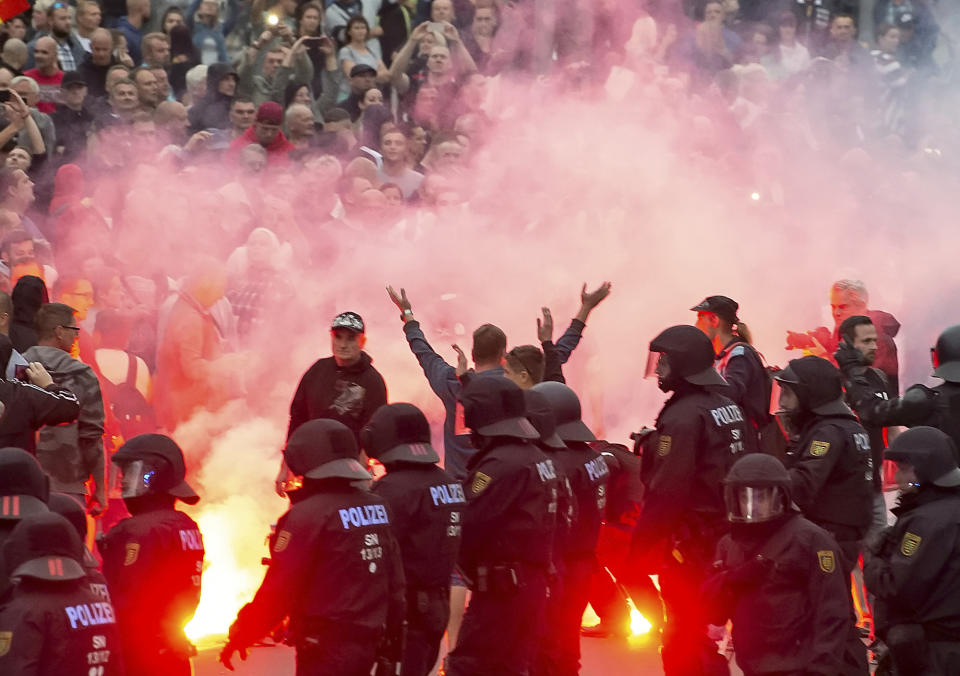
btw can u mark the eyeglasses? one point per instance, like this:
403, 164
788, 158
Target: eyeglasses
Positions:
71, 328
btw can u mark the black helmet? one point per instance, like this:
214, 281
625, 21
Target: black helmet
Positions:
153, 464
398, 432
690, 353
946, 355
566, 411
930, 452
756, 489
324, 449
541, 415
817, 384
24, 487
45, 547
494, 407
73, 511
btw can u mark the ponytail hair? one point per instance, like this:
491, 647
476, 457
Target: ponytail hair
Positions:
743, 331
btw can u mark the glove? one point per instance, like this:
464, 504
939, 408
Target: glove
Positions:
751, 573
227, 654
849, 359
877, 542
918, 397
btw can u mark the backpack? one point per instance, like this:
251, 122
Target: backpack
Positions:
131, 412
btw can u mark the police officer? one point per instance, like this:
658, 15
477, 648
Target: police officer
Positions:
699, 434
336, 570
24, 491
426, 510
913, 568
777, 577
934, 407
68, 507
51, 624
508, 533
587, 473
153, 559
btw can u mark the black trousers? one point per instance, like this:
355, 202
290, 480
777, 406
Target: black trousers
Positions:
559, 653
501, 627
341, 655
687, 650
428, 611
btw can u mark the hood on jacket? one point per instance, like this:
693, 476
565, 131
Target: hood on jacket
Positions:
885, 322
56, 361
215, 73
28, 295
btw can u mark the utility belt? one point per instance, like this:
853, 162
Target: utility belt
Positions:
506, 578
314, 631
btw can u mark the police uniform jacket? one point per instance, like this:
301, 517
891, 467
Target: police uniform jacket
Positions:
153, 562
58, 629
748, 385
426, 512
511, 507
791, 612
832, 475
587, 473
914, 570
334, 564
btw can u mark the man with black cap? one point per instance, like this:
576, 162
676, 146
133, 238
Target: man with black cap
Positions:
776, 576
426, 512
24, 490
586, 473
51, 624
72, 119
912, 568
508, 534
335, 568
362, 78
737, 360
699, 434
920, 405
153, 559
344, 387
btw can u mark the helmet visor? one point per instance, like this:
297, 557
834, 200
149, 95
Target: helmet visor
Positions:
139, 477
654, 359
753, 504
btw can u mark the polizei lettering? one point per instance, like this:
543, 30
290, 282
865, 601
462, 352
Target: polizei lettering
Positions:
367, 515
596, 469
90, 614
450, 494
190, 540
727, 415
546, 471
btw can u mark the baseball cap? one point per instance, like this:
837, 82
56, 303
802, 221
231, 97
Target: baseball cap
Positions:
72, 79
725, 308
361, 69
348, 320
270, 111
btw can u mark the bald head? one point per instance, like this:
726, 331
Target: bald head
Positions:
171, 113
45, 54
300, 121
101, 46
15, 53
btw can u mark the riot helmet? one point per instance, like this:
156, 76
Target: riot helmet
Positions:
682, 353
324, 449
565, 405
806, 388
152, 464
756, 489
44, 547
70, 509
398, 433
931, 453
540, 414
494, 407
946, 355
24, 487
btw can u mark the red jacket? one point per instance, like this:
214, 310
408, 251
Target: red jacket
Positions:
276, 152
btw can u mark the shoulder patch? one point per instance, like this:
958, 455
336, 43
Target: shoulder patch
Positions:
827, 560
819, 448
132, 552
738, 351
663, 448
6, 639
910, 544
283, 539
480, 482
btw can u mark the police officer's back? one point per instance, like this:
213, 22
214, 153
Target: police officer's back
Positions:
913, 568
153, 560
426, 509
51, 624
24, 491
777, 576
68, 507
508, 533
336, 570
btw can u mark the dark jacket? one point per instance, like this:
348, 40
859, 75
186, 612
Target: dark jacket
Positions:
213, 111
879, 387
28, 295
587, 474
72, 128
426, 511
27, 408
58, 628
96, 78
349, 395
914, 570
334, 565
71, 454
748, 385
791, 612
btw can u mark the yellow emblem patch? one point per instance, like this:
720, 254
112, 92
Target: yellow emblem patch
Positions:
133, 551
283, 539
910, 544
663, 448
6, 638
480, 482
819, 448
828, 562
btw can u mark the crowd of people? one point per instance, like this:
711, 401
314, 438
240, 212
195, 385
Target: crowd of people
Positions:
175, 180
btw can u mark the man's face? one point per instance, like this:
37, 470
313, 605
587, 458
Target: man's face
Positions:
484, 21
159, 51
147, 89
89, 16
271, 63
713, 13
520, 378
23, 187
38, 19
60, 22
227, 86
906, 477
708, 323
301, 124
438, 62
758, 503
19, 158
866, 341
74, 95
788, 402
163, 83
845, 303
361, 83
124, 97
441, 10
68, 335
418, 142
79, 296
26, 93
242, 115
208, 13
842, 29
100, 48
45, 53
21, 252
394, 147
346, 345
265, 132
